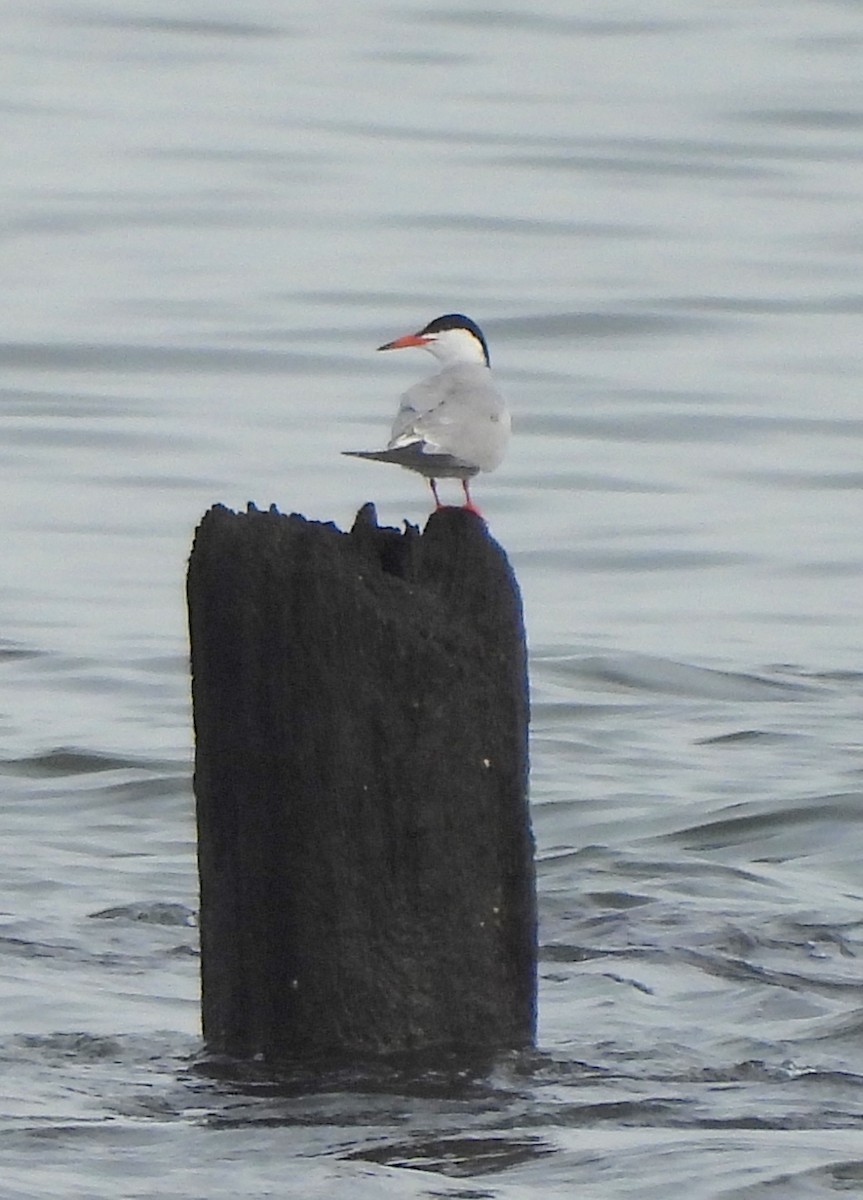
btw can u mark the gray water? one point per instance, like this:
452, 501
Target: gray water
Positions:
211, 215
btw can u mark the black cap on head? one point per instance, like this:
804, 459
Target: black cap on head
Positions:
458, 321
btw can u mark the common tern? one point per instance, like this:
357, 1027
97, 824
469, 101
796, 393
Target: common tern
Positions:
455, 423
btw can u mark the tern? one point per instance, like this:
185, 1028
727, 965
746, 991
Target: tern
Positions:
455, 423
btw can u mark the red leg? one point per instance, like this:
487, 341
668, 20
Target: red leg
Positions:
468, 503
433, 486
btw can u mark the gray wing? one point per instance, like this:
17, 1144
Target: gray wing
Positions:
459, 413
416, 456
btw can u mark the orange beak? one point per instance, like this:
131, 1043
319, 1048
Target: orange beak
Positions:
409, 339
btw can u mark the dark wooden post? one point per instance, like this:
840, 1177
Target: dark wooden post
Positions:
364, 843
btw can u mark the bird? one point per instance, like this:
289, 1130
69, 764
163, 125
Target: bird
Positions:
455, 423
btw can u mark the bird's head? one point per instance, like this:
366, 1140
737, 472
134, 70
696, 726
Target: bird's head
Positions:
452, 338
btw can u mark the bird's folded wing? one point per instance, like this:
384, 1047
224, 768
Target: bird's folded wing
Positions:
418, 456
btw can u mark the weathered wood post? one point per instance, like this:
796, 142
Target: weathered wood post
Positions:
364, 843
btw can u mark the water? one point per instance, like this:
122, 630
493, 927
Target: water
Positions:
210, 218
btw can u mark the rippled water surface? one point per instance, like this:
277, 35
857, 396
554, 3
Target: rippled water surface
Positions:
211, 215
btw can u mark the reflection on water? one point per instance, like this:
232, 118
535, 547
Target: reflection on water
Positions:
210, 221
